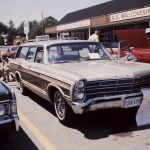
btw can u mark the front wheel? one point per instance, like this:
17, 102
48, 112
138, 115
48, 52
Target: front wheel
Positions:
22, 88
62, 109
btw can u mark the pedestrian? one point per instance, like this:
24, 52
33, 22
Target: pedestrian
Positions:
147, 31
95, 37
5, 69
1, 71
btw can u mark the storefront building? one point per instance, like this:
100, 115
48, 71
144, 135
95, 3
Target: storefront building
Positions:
107, 18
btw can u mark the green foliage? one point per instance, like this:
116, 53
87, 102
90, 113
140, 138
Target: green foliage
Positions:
20, 30
11, 32
49, 21
1, 40
3, 28
37, 28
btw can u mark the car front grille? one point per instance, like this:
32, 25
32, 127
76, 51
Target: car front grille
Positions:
106, 88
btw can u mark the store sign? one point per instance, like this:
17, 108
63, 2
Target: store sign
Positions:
99, 21
130, 14
42, 38
74, 25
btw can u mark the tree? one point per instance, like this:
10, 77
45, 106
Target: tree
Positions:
37, 28
20, 30
3, 28
1, 40
49, 21
11, 32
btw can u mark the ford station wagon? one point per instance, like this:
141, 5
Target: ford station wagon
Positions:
79, 76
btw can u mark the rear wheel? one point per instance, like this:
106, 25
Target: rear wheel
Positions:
62, 109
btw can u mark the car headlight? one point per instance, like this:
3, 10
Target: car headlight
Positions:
80, 84
79, 95
2, 110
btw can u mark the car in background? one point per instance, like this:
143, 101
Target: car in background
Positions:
120, 50
138, 40
8, 107
79, 76
9, 51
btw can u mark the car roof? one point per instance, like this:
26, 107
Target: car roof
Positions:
51, 42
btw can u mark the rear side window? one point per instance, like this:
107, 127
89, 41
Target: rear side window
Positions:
22, 52
39, 55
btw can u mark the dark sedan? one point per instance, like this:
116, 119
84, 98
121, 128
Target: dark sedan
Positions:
8, 107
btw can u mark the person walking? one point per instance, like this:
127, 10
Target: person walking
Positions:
95, 37
5, 69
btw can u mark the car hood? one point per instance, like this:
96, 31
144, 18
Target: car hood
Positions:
99, 70
5, 92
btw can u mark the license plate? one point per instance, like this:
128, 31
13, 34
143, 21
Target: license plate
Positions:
132, 102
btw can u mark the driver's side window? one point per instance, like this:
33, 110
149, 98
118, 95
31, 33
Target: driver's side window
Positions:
31, 54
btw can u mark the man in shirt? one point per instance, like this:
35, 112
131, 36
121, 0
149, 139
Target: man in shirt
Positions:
95, 37
147, 31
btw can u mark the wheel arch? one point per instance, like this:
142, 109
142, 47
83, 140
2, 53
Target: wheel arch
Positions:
51, 89
18, 75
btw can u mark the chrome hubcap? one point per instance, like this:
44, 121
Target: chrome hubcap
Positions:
59, 106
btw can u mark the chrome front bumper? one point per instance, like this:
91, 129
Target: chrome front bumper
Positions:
102, 103
14, 120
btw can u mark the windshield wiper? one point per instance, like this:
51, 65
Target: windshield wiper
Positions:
90, 59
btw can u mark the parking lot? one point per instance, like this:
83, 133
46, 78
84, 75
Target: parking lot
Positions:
76, 77
40, 129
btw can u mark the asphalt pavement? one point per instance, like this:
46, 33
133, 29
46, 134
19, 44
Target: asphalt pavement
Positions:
101, 130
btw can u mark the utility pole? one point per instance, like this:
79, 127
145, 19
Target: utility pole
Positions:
26, 29
42, 24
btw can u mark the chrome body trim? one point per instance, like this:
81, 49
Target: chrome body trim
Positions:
14, 120
101, 103
41, 92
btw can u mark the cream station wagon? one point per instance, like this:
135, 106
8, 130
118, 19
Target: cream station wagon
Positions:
79, 76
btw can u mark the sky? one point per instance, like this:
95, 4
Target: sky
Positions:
29, 10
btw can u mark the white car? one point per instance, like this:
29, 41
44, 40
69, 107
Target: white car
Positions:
72, 76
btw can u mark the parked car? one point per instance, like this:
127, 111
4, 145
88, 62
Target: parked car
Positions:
120, 50
8, 107
72, 76
9, 51
139, 42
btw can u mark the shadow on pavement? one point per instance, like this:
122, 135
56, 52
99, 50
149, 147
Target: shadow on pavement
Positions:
99, 124
10, 140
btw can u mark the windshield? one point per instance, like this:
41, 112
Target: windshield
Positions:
66, 52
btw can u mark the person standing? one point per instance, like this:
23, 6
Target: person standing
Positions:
147, 31
5, 69
95, 37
